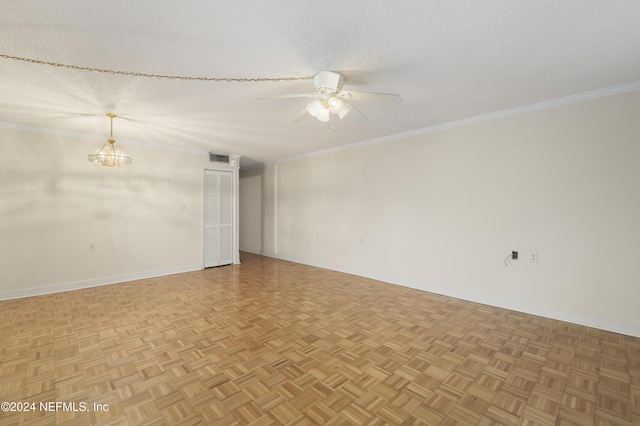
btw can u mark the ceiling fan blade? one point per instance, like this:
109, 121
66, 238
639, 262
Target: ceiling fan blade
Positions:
370, 96
297, 95
354, 115
299, 116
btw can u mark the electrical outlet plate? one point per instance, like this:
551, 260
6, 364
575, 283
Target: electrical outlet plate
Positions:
534, 257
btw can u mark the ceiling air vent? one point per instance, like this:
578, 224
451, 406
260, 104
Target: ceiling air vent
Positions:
218, 158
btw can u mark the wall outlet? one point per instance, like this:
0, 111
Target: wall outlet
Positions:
534, 257
92, 246
514, 255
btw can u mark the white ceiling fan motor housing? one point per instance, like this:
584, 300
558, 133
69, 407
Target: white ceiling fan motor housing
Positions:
328, 83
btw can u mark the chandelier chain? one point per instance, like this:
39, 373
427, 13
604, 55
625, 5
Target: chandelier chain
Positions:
158, 76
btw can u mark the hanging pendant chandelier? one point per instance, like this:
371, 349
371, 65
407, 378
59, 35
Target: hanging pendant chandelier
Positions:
111, 155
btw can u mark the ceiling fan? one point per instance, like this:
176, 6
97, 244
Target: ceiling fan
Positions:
331, 99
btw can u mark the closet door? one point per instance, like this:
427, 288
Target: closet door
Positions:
211, 219
218, 218
226, 218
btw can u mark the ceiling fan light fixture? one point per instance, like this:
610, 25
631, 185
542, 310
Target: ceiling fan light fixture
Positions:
331, 99
315, 107
110, 154
324, 114
335, 105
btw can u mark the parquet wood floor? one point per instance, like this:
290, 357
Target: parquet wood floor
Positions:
270, 342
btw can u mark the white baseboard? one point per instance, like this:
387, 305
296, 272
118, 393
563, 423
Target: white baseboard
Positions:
266, 254
542, 311
574, 318
258, 252
94, 282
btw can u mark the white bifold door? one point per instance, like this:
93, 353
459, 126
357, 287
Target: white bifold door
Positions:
218, 218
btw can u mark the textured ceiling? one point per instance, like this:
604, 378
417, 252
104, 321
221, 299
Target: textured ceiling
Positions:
449, 60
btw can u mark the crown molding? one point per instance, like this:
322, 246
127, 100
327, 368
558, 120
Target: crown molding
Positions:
553, 103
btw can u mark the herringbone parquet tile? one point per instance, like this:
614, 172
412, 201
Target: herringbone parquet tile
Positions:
270, 342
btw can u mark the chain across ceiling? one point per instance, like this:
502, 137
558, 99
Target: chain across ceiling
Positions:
150, 75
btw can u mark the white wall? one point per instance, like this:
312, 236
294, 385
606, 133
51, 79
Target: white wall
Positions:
145, 219
441, 212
